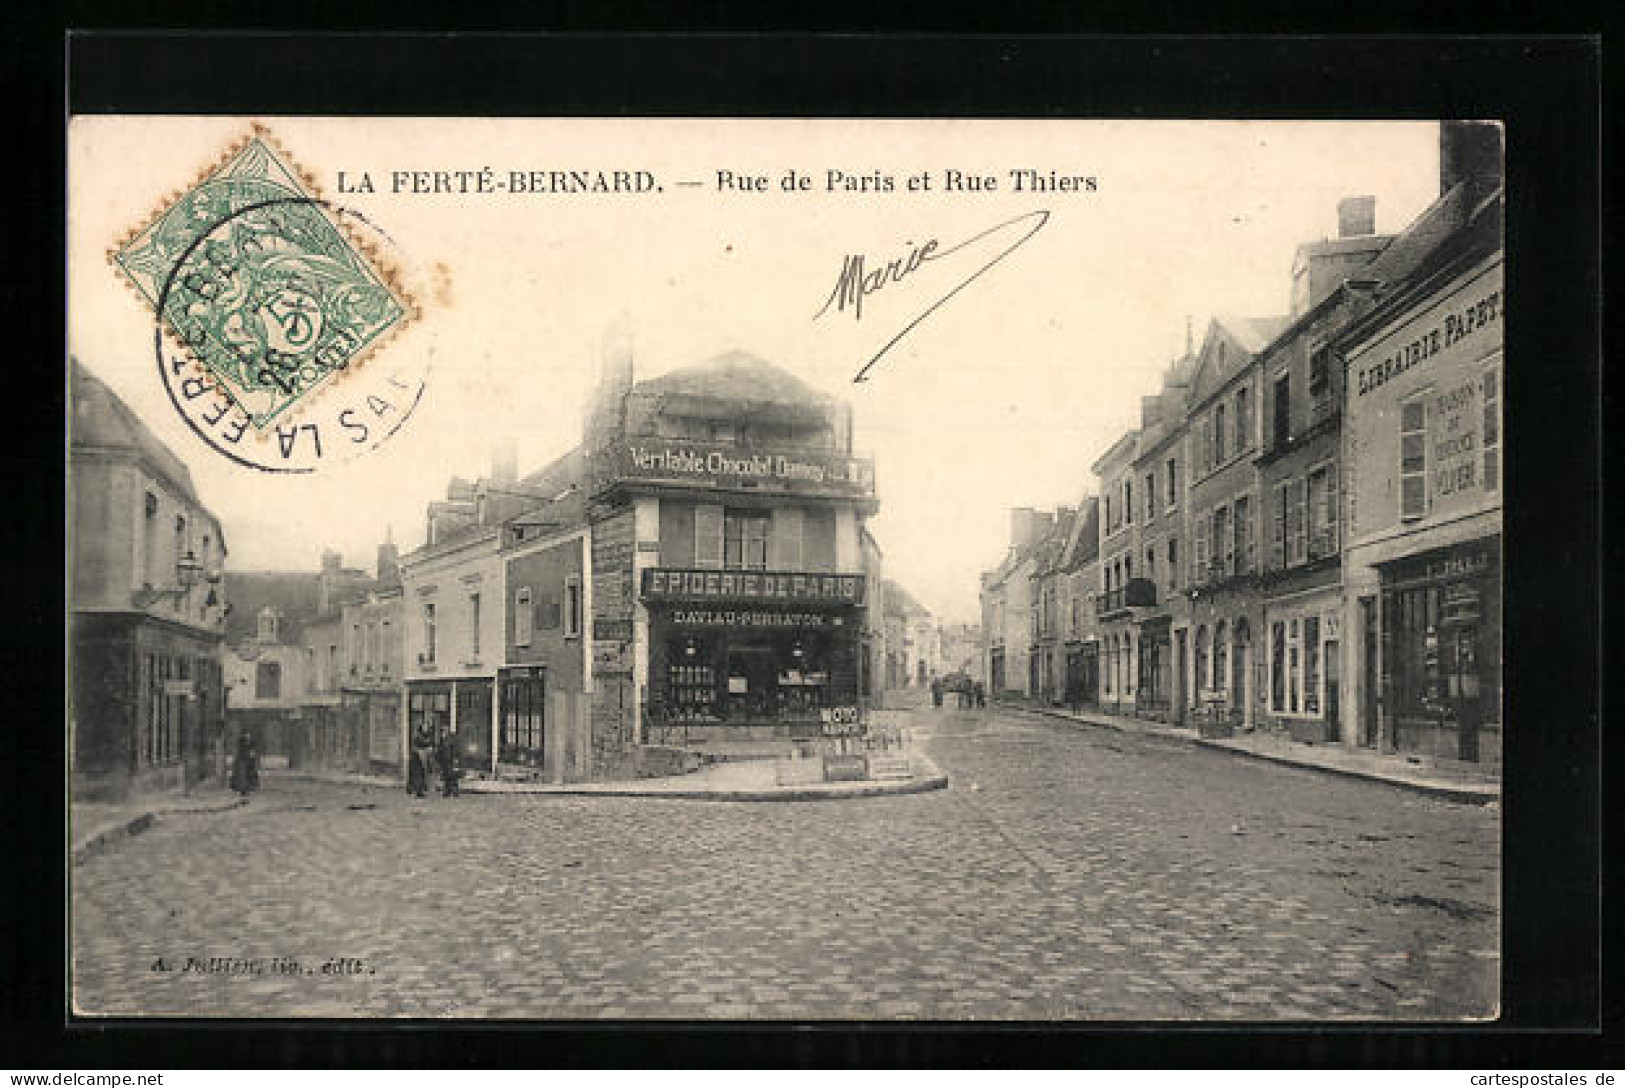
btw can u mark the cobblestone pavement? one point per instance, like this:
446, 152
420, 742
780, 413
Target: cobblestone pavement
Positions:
1067, 873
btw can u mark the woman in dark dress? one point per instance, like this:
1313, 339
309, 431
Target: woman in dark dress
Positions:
245, 768
417, 771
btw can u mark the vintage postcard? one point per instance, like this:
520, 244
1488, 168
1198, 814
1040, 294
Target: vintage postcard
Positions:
785, 570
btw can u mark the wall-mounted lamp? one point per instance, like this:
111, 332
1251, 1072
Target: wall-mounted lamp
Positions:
187, 569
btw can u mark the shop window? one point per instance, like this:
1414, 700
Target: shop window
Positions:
1413, 495
1492, 429
268, 680
1201, 659
524, 717
1278, 668
1292, 686
524, 617
429, 710
1221, 650
744, 539
1311, 665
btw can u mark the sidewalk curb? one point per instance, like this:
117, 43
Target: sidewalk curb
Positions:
100, 840
1464, 794
855, 790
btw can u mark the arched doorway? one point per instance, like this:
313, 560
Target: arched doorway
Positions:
1239, 656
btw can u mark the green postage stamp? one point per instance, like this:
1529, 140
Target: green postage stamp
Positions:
259, 279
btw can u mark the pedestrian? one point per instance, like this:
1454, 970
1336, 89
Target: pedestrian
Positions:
245, 769
417, 774
981, 694
936, 692
446, 756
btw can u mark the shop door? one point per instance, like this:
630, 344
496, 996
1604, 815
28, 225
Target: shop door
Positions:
1334, 690
474, 724
1178, 686
1368, 672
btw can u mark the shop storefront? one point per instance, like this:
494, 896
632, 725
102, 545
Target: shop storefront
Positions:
1302, 666
1441, 651
1156, 653
1083, 676
751, 656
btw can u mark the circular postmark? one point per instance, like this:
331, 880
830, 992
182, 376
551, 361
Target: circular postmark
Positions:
277, 310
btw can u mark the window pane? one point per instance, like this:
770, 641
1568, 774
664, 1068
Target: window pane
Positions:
1411, 416
1412, 453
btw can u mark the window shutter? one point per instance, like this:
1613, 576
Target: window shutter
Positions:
708, 536
1300, 532
784, 542
1278, 529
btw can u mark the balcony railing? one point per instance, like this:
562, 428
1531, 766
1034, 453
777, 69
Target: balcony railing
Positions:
1322, 544
1138, 593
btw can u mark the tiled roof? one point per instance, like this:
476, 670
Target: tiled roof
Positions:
734, 376
1254, 334
294, 594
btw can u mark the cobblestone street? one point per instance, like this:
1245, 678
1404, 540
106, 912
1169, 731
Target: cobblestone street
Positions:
1066, 873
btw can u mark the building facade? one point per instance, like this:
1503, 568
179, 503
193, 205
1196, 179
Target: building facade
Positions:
1300, 474
1222, 438
452, 596
1121, 588
148, 604
1007, 607
1423, 507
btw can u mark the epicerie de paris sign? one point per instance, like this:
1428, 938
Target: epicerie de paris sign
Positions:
671, 584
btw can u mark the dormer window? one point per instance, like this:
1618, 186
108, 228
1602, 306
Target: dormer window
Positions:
267, 625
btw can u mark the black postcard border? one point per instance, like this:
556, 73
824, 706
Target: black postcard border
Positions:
1546, 89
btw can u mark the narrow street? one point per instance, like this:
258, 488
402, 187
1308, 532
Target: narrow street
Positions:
1067, 873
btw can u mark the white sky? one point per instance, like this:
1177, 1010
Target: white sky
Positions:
1002, 398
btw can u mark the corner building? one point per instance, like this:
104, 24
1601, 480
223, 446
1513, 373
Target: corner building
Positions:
727, 598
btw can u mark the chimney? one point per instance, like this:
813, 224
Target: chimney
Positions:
505, 464
331, 561
1356, 216
1025, 525
1150, 410
389, 558
1470, 151
606, 412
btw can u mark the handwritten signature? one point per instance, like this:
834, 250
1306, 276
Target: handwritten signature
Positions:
856, 280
